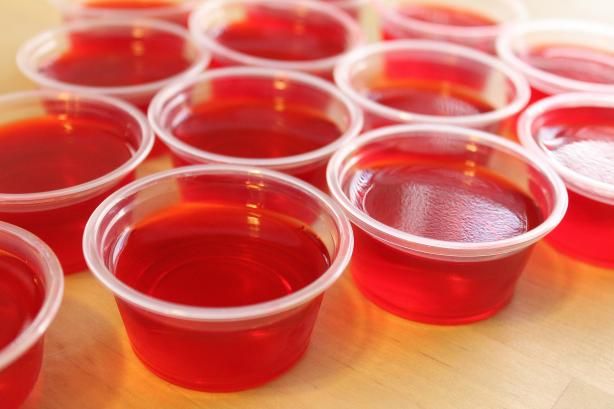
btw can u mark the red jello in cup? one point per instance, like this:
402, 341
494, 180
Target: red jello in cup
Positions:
31, 286
574, 133
444, 218
472, 23
282, 120
218, 271
174, 11
128, 59
61, 154
302, 35
558, 56
421, 81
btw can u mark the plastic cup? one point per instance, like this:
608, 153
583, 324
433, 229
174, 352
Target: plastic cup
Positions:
472, 23
574, 133
174, 11
575, 56
21, 358
274, 98
58, 216
425, 279
264, 33
150, 43
217, 348
437, 83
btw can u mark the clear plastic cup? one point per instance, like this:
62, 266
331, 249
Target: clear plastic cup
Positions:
24, 258
264, 33
472, 23
420, 81
174, 11
58, 215
574, 133
420, 276
559, 56
111, 56
214, 348
228, 115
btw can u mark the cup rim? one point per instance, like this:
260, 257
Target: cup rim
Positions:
202, 13
517, 8
217, 314
44, 38
170, 92
343, 80
537, 76
54, 289
442, 248
152, 12
579, 183
145, 146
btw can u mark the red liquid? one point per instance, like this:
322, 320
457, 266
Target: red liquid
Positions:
131, 4
21, 298
426, 98
117, 57
178, 16
582, 139
572, 62
51, 153
256, 129
220, 256
445, 16
449, 16
285, 35
446, 199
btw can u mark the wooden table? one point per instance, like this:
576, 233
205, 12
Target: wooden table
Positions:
552, 348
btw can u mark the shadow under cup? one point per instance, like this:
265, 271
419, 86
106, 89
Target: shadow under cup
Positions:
217, 348
434, 280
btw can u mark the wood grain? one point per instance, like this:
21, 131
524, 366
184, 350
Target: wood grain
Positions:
552, 348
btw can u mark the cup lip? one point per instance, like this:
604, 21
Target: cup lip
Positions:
44, 40
222, 314
146, 144
538, 76
442, 248
579, 183
152, 12
517, 8
203, 12
54, 290
343, 80
170, 92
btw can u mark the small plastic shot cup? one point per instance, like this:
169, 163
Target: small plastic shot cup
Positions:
419, 277
123, 58
302, 35
217, 348
24, 258
173, 11
421, 81
58, 216
574, 133
559, 56
205, 120
472, 23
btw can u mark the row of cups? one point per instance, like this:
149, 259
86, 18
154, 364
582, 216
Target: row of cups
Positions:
210, 337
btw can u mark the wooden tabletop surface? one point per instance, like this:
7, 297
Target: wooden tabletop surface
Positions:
552, 348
